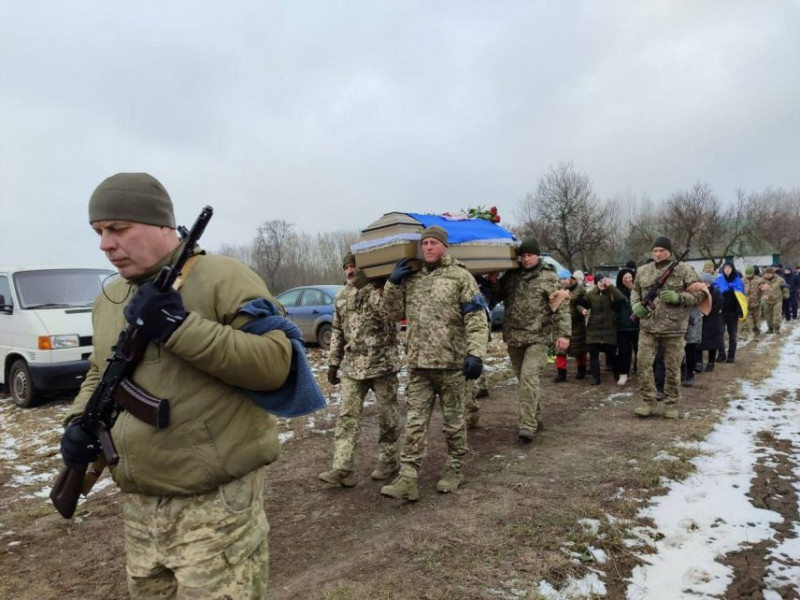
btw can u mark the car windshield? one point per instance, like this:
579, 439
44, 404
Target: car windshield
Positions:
59, 288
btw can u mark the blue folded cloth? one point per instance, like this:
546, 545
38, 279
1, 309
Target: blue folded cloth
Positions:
469, 230
300, 395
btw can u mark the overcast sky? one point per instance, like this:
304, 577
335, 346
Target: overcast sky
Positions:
329, 114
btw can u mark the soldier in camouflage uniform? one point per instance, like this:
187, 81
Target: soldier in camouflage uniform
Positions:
754, 294
192, 493
664, 326
529, 325
364, 348
446, 344
775, 290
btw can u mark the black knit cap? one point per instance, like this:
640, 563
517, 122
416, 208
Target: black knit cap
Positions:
135, 197
349, 259
662, 242
529, 246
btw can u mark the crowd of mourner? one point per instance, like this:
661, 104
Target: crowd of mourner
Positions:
662, 321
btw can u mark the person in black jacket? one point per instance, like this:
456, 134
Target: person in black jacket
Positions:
601, 330
713, 325
729, 282
627, 328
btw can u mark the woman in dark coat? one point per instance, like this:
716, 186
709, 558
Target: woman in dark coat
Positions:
601, 330
627, 328
713, 324
577, 340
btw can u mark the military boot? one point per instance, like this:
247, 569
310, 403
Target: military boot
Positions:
525, 435
645, 409
384, 471
450, 481
339, 477
561, 376
671, 412
403, 488
472, 419
482, 393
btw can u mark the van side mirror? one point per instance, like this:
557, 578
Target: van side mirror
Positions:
5, 308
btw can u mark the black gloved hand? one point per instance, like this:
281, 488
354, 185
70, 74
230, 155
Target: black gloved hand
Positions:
332, 375
401, 270
473, 367
78, 447
161, 313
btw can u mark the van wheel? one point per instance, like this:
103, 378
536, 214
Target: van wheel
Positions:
324, 335
21, 386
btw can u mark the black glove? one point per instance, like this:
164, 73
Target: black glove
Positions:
78, 447
161, 313
473, 367
401, 270
332, 378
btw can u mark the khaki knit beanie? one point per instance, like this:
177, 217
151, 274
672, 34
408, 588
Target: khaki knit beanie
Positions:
135, 197
349, 259
435, 232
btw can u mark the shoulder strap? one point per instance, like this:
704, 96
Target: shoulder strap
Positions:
187, 267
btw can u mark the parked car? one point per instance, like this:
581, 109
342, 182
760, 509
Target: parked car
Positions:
499, 311
310, 307
46, 328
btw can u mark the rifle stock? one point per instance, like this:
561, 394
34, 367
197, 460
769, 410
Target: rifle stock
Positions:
116, 392
649, 301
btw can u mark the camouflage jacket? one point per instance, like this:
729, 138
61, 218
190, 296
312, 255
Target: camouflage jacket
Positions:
751, 289
439, 333
775, 292
364, 338
528, 318
666, 319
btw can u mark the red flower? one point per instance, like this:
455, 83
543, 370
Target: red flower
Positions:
496, 218
493, 210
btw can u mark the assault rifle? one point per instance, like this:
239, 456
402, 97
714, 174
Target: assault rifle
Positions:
116, 392
649, 301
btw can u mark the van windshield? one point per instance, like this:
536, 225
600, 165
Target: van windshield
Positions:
59, 288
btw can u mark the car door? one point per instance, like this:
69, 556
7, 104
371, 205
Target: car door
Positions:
289, 301
308, 310
6, 319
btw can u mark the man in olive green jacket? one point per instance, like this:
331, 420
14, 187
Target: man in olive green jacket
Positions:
192, 492
530, 323
664, 326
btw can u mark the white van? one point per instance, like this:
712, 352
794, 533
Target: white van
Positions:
46, 328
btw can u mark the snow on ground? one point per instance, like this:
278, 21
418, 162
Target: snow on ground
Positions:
709, 515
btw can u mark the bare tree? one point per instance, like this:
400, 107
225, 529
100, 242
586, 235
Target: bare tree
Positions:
242, 252
567, 217
774, 216
272, 245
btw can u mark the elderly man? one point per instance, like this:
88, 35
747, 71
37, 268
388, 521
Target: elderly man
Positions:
534, 315
193, 492
664, 325
447, 332
364, 348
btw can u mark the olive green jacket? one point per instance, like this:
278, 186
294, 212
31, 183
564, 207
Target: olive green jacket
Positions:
528, 318
439, 334
667, 319
216, 434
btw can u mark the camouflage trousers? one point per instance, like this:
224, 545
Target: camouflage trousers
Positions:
672, 348
752, 324
205, 546
471, 405
345, 439
528, 363
421, 390
773, 314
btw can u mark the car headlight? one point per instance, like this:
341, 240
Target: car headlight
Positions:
54, 342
